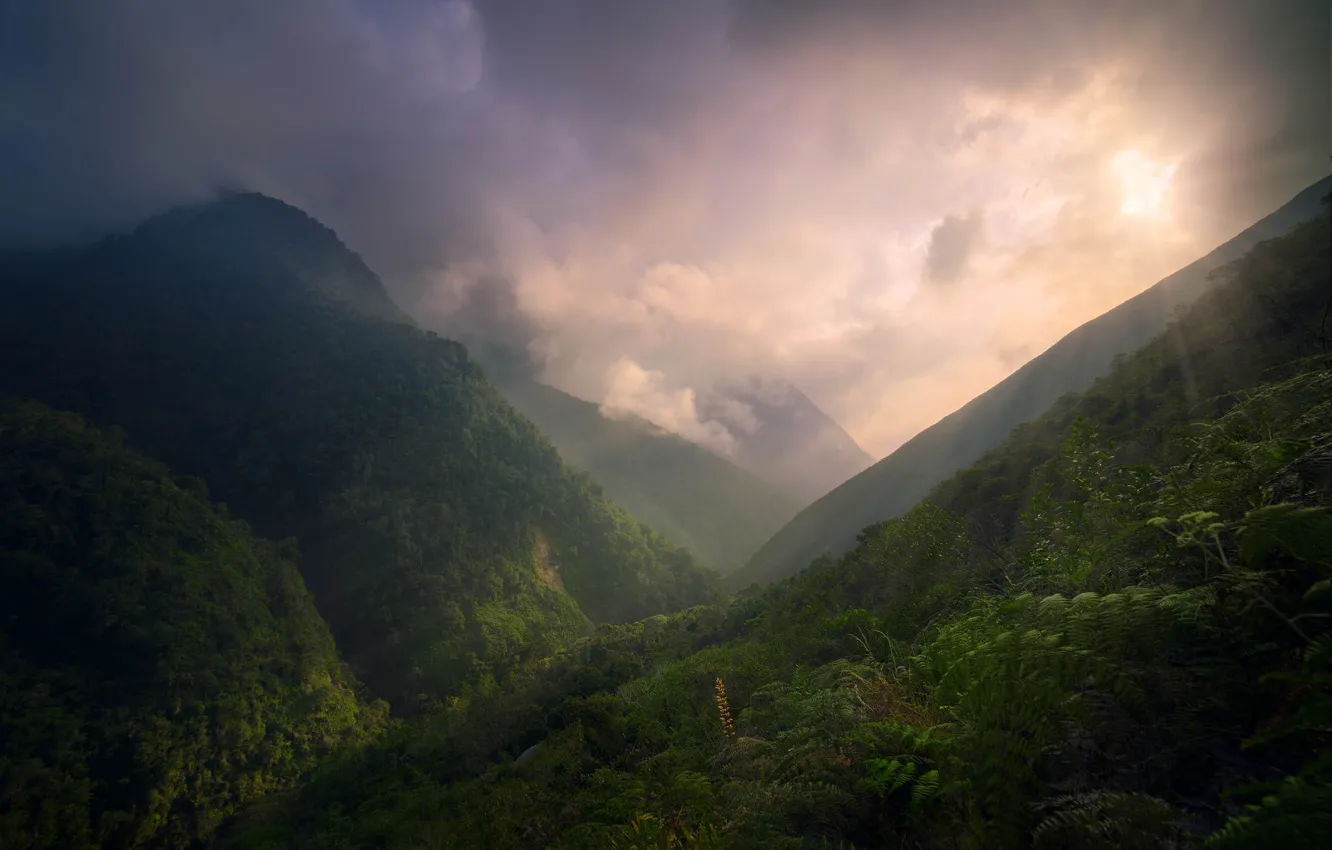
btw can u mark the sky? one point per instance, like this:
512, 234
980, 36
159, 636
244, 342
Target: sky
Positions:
891, 204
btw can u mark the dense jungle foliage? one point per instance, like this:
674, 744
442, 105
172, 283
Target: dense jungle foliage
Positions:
159, 665
1112, 632
445, 541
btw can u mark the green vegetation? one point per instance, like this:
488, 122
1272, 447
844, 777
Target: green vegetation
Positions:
896, 483
446, 543
159, 666
1115, 631
694, 498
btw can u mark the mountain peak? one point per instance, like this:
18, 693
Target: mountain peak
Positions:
259, 239
241, 208
783, 436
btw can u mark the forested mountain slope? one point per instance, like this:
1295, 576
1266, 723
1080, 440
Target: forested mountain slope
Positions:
700, 501
898, 481
1115, 631
444, 539
159, 665
1255, 328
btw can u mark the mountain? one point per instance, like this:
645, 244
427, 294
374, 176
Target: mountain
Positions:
1113, 631
445, 541
895, 483
1266, 320
783, 437
694, 498
254, 234
159, 665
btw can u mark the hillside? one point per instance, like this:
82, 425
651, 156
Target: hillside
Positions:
894, 484
1257, 327
159, 665
694, 498
444, 539
1123, 644
783, 437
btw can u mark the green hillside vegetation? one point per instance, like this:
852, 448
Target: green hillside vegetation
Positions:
894, 484
1115, 631
694, 498
159, 665
444, 539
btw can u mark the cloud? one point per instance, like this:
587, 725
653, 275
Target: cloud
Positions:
638, 391
109, 112
951, 244
699, 189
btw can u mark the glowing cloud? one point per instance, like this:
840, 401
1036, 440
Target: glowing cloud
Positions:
1146, 184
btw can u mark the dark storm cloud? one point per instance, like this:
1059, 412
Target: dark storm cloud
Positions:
388, 120
951, 244
110, 111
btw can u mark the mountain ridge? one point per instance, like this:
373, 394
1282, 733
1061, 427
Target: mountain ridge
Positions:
249, 222
832, 524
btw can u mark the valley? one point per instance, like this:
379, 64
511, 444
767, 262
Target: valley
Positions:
691, 425
472, 599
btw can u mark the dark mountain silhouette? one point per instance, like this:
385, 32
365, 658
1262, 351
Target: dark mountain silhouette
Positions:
240, 341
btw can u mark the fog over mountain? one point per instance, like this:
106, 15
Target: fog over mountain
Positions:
888, 205
781, 436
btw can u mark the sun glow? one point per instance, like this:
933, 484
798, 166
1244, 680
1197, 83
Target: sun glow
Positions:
1146, 184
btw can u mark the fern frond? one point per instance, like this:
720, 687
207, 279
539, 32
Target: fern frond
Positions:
1108, 821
